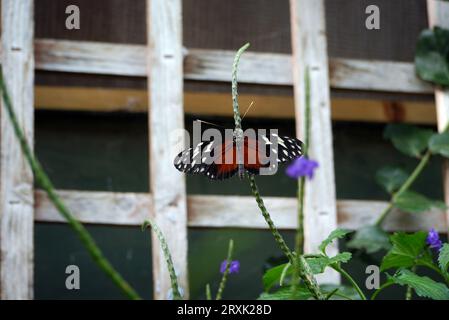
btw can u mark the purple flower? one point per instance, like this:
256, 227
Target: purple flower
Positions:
433, 240
233, 268
302, 167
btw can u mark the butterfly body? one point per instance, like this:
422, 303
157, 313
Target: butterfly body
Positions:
254, 154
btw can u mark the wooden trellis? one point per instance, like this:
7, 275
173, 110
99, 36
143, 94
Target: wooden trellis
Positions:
162, 62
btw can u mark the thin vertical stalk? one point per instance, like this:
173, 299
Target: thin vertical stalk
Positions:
274, 231
44, 181
168, 259
235, 103
226, 272
299, 245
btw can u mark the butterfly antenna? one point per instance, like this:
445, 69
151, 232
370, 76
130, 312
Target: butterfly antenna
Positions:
210, 123
250, 105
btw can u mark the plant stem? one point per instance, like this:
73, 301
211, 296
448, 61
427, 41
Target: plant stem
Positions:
350, 279
43, 180
226, 272
385, 285
299, 239
235, 103
168, 259
277, 236
208, 292
299, 262
411, 179
409, 292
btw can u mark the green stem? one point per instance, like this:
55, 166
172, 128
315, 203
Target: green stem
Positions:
342, 296
300, 263
382, 287
235, 103
350, 279
411, 179
226, 272
274, 231
299, 243
168, 258
208, 292
299, 239
43, 180
409, 292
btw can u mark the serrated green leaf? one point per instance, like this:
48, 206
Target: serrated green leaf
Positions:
443, 258
408, 139
413, 202
432, 56
439, 144
407, 250
371, 239
272, 276
391, 178
319, 264
301, 293
423, 286
336, 234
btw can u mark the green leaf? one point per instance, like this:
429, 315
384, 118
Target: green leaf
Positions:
443, 258
370, 238
273, 276
391, 178
319, 264
407, 250
432, 56
301, 293
413, 202
408, 139
336, 234
423, 286
439, 144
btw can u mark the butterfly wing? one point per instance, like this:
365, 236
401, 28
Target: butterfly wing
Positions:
283, 150
202, 160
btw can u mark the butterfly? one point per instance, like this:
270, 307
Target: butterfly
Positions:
253, 154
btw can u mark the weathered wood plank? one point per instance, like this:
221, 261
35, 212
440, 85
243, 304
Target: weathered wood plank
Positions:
166, 115
199, 103
213, 65
16, 191
224, 211
438, 13
309, 47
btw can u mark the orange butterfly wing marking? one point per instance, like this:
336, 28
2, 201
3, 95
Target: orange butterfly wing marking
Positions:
227, 160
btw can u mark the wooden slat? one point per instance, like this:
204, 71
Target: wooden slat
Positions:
199, 103
438, 13
166, 115
224, 211
213, 65
16, 191
309, 45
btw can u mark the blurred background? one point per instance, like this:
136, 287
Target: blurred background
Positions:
108, 151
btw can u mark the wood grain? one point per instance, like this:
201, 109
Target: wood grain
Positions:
166, 116
16, 191
199, 103
213, 65
310, 52
131, 209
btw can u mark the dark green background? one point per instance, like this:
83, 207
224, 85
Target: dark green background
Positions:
108, 152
